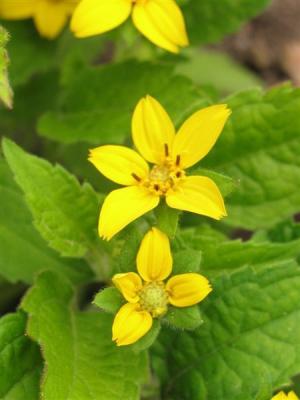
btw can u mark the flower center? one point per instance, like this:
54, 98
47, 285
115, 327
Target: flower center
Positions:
154, 298
163, 177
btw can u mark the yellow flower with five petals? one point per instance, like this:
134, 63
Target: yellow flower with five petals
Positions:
50, 16
160, 21
282, 396
147, 293
154, 137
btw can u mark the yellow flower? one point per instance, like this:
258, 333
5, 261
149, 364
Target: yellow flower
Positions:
50, 16
148, 295
154, 137
282, 396
161, 21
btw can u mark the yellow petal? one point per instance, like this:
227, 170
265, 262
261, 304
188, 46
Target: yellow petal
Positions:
152, 130
198, 194
162, 22
129, 285
187, 289
123, 206
292, 396
281, 396
154, 259
17, 9
93, 17
50, 18
130, 324
199, 133
119, 164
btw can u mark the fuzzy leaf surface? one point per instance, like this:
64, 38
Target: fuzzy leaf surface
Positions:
82, 362
20, 360
248, 343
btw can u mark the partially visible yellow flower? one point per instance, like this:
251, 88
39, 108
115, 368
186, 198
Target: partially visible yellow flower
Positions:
50, 16
154, 137
148, 295
160, 21
282, 396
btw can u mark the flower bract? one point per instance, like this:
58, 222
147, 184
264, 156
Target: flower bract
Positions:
147, 292
170, 154
160, 21
50, 16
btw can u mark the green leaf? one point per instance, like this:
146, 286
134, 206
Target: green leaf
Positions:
249, 341
209, 21
20, 360
185, 261
203, 67
103, 111
259, 148
184, 318
219, 256
167, 219
65, 213
81, 360
109, 300
6, 94
23, 252
29, 53
147, 341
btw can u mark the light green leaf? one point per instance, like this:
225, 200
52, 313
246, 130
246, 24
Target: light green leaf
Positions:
23, 252
248, 343
259, 148
65, 213
6, 94
203, 67
186, 261
103, 111
225, 256
20, 360
209, 21
167, 219
184, 318
109, 300
147, 341
81, 360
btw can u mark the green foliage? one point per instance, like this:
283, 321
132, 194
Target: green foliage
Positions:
81, 359
20, 360
167, 219
6, 94
209, 21
109, 300
259, 149
23, 251
103, 111
248, 343
64, 212
184, 318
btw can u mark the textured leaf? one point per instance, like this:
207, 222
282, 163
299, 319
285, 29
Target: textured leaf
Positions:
23, 251
248, 344
65, 213
81, 360
210, 20
259, 148
102, 113
20, 360
224, 256
6, 94
109, 300
184, 318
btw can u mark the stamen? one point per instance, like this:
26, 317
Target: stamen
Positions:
178, 160
136, 177
166, 150
178, 174
156, 187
